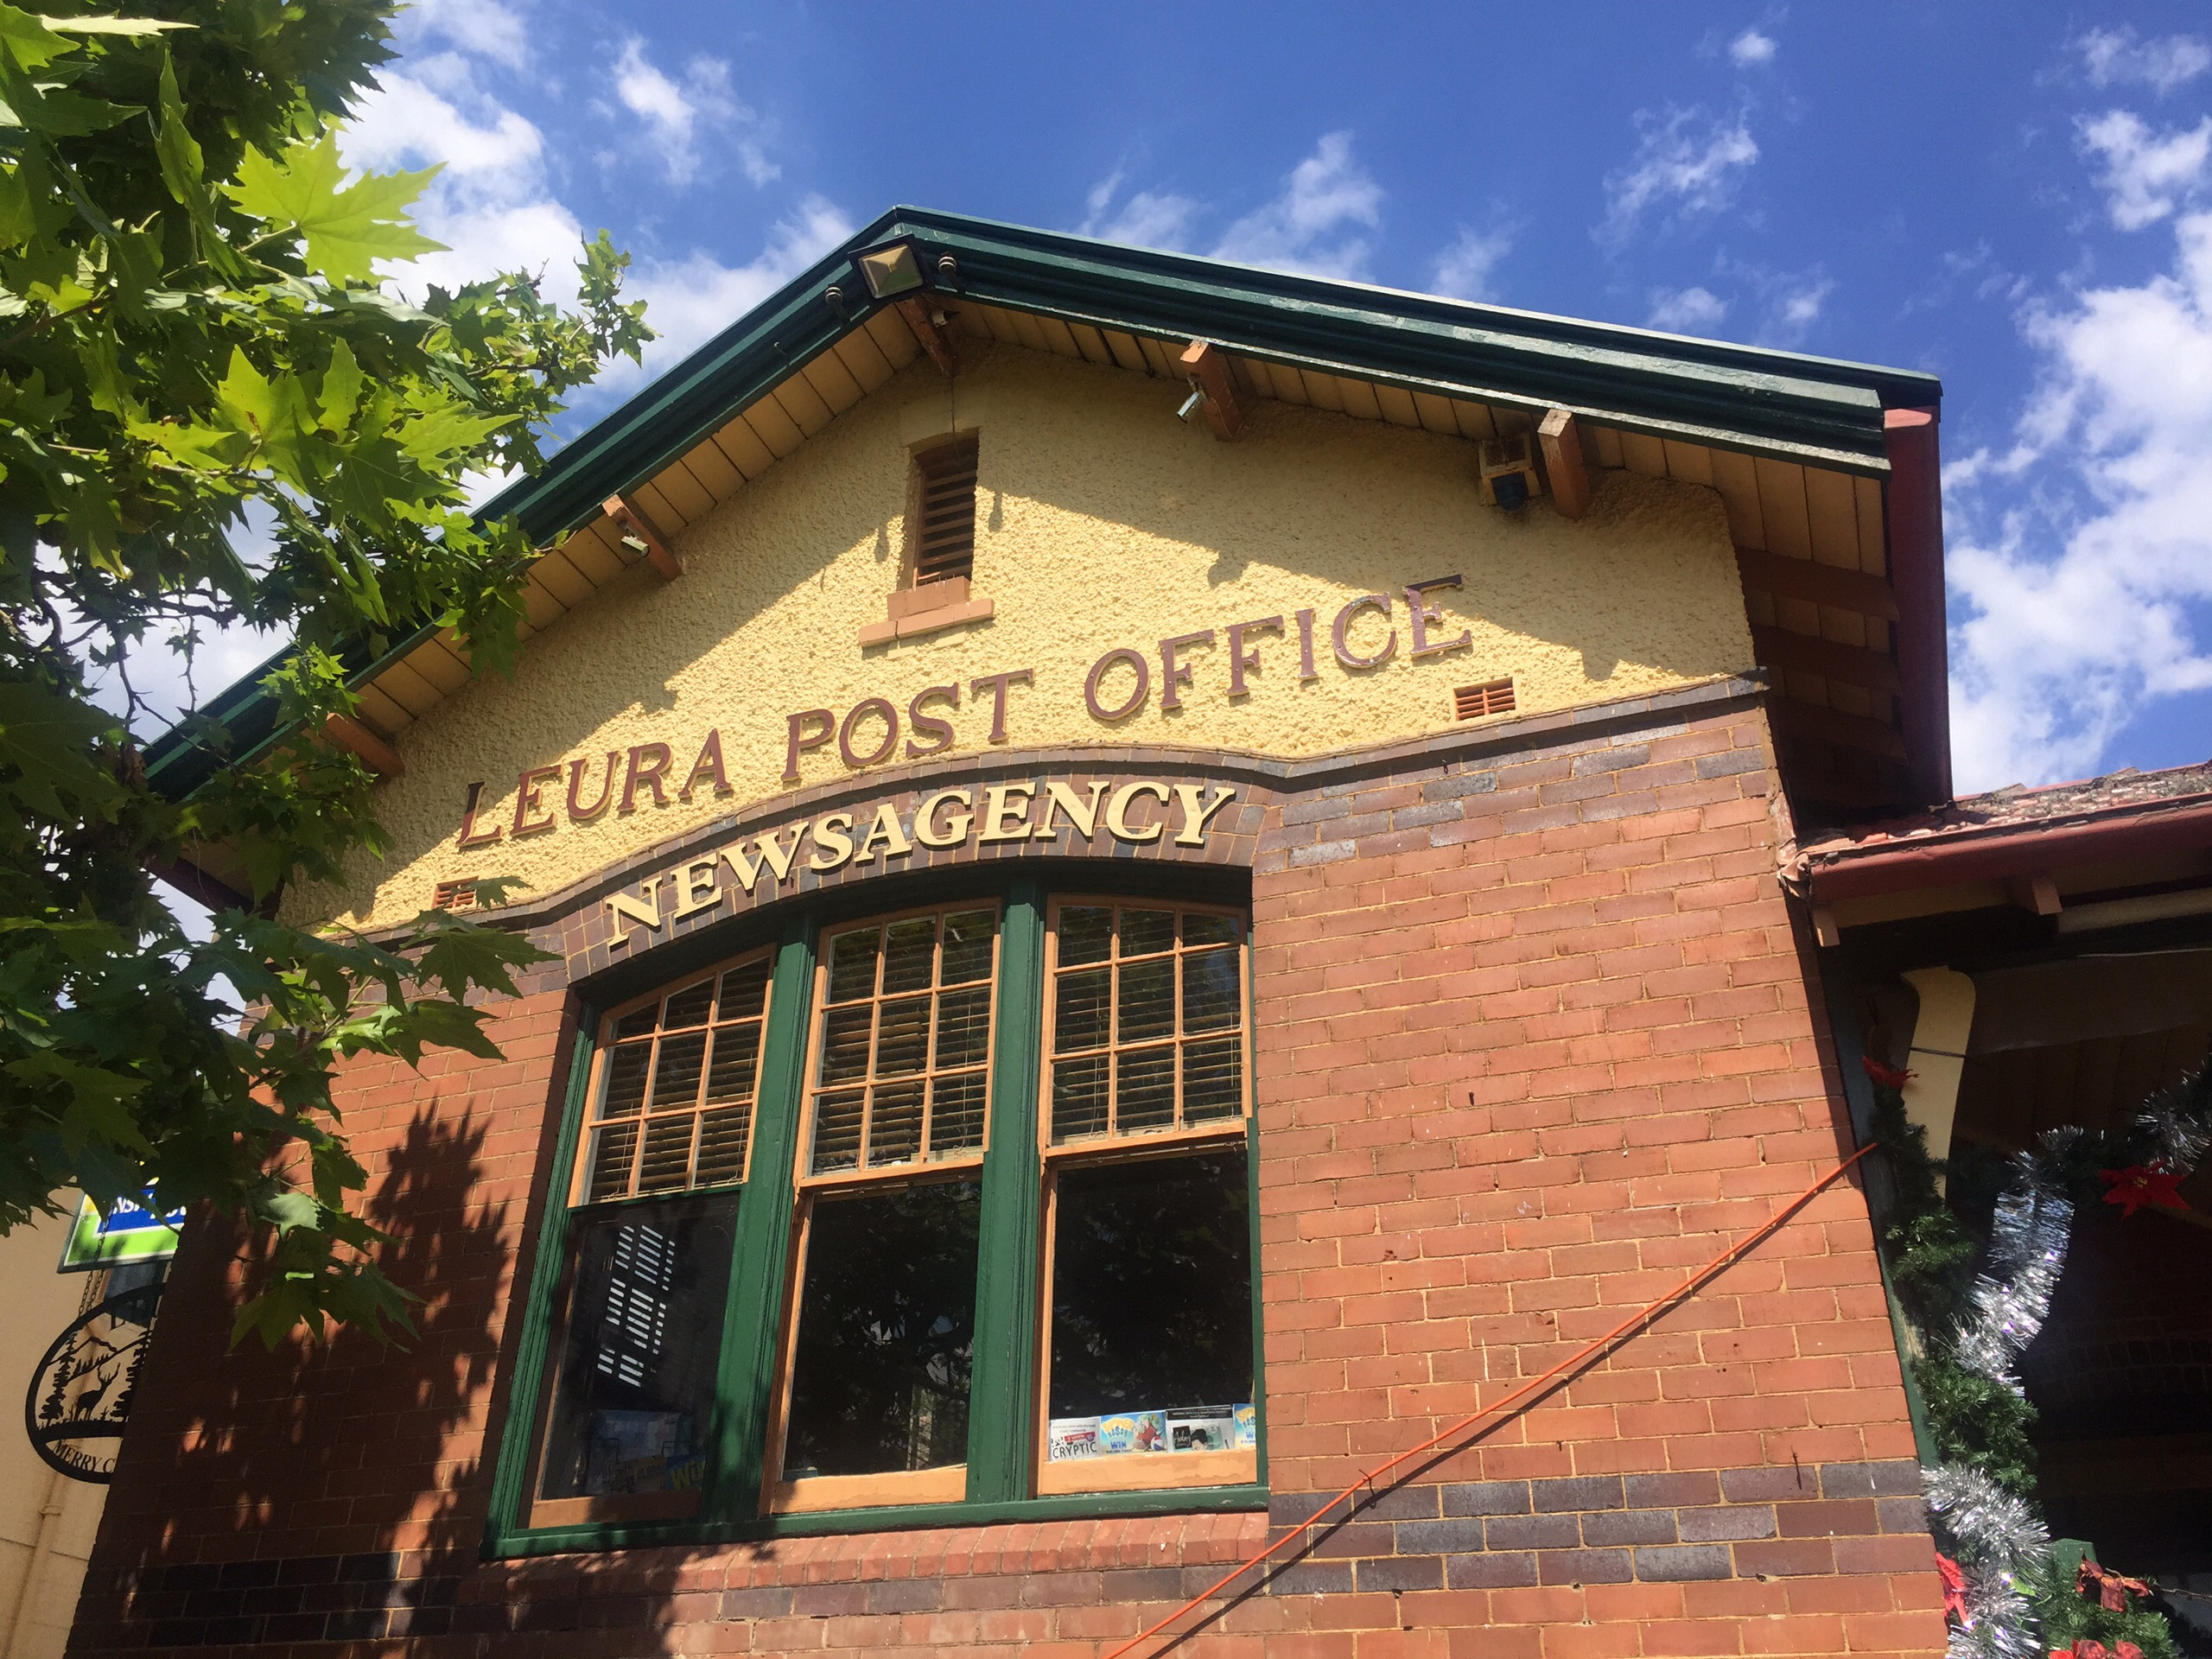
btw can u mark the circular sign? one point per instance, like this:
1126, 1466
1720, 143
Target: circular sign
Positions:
80, 1398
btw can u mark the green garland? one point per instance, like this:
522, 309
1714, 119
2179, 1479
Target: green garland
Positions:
1931, 1254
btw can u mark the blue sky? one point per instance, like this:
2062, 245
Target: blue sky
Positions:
2018, 199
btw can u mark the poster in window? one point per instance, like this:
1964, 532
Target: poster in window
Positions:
1202, 1429
640, 1452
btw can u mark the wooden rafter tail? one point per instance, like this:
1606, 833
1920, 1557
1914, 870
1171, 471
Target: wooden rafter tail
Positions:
1562, 447
934, 338
356, 739
1207, 369
633, 526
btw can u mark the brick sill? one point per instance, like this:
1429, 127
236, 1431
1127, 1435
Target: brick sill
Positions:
932, 609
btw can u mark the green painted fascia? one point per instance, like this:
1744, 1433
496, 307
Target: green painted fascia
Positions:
1815, 410
1008, 1261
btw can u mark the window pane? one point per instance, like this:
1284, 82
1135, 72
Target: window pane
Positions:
956, 1115
1200, 930
1081, 1002
1144, 931
667, 1159
963, 1026
968, 938
838, 1132
626, 1080
887, 1317
639, 1022
1148, 1001
723, 1136
1213, 1079
690, 1007
1144, 1094
852, 964
1086, 933
737, 1063
894, 1134
610, 1162
637, 1374
908, 955
1210, 998
744, 990
1079, 1097
844, 1044
902, 1037
1151, 1292
676, 1083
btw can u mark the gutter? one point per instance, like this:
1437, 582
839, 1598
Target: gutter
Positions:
1994, 852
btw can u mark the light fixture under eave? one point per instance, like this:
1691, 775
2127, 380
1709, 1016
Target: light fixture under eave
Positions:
891, 272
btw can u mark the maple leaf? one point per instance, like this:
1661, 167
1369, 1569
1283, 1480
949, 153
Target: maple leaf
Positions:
2143, 1186
347, 230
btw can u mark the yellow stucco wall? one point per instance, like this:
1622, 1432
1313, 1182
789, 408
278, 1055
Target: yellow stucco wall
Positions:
1102, 522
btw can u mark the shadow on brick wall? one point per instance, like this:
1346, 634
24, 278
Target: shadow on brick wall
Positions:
272, 1496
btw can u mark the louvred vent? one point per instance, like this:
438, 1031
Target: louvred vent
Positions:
1476, 702
947, 546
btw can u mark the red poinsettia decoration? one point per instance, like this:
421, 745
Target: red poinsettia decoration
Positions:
2111, 1589
1888, 1076
2143, 1186
1954, 1587
2087, 1648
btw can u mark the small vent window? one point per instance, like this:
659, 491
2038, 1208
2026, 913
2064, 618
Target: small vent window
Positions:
454, 895
945, 512
1478, 701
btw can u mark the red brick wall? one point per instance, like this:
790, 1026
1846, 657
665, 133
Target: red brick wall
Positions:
1534, 1040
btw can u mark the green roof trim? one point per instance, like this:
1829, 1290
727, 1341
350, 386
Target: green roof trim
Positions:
1818, 411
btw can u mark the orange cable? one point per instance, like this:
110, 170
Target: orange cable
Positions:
1726, 1258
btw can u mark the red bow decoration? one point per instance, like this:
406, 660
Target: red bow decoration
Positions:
2141, 1187
1888, 1076
2113, 1589
2088, 1648
1954, 1587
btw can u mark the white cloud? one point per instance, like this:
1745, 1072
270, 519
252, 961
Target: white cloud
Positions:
677, 113
1464, 269
1751, 47
2145, 178
488, 28
2083, 558
1310, 226
1686, 164
1147, 219
492, 205
2114, 57
1799, 307
1686, 310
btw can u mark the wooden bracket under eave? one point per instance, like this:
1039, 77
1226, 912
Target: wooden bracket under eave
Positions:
1207, 370
1562, 447
2038, 892
356, 739
936, 338
639, 533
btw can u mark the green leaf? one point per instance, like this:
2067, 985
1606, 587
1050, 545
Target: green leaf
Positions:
347, 229
48, 738
341, 388
27, 41
96, 1109
134, 27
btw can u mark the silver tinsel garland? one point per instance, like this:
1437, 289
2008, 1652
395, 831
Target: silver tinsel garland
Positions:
1997, 1539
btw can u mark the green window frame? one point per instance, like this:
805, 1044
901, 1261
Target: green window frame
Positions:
763, 1216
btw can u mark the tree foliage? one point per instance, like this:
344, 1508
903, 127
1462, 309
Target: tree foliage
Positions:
191, 326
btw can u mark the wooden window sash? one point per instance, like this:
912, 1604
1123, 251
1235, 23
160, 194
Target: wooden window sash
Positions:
1138, 1471
596, 1121
922, 1165
946, 1482
1180, 1135
943, 513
